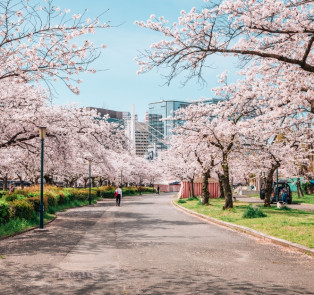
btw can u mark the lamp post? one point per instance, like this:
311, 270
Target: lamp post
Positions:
277, 190
90, 182
42, 134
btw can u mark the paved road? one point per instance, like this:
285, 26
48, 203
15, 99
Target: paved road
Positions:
306, 207
147, 246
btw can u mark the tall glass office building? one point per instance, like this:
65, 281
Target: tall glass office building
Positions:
160, 129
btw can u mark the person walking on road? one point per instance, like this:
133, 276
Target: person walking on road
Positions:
158, 190
118, 195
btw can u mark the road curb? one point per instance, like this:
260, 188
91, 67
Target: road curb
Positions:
249, 231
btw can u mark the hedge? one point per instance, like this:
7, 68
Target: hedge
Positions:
23, 209
5, 212
25, 204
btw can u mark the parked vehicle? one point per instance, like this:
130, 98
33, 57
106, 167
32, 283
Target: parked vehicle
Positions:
281, 185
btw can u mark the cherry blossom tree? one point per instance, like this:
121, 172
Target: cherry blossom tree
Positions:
42, 42
179, 161
281, 31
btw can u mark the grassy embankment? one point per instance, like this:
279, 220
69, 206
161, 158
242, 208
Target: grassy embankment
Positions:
292, 225
20, 210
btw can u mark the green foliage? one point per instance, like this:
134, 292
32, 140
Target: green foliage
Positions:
52, 200
306, 187
128, 191
82, 197
23, 209
62, 199
14, 197
181, 201
36, 194
19, 210
70, 196
35, 201
16, 225
253, 213
2, 193
4, 212
21, 192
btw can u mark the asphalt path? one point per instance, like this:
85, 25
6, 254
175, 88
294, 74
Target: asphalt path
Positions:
147, 246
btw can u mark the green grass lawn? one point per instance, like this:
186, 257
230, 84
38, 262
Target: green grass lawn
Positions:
292, 225
307, 199
19, 225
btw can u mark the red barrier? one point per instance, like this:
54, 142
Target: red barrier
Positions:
185, 190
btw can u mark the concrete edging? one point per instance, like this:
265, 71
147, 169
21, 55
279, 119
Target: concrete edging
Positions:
248, 230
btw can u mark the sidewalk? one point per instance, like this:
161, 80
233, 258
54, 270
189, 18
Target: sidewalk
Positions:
305, 207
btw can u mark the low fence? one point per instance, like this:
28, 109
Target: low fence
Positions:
186, 187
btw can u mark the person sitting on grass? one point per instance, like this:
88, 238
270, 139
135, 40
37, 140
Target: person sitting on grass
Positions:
284, 195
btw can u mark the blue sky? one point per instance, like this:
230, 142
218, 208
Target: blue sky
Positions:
119, 87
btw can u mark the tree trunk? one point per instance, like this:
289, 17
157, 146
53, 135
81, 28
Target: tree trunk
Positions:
269, 185
37, 179
48, 179
192, 187
5, 183
300, 192
21, 181
226, 184
221, 187
205, 195
72, 181
85, 182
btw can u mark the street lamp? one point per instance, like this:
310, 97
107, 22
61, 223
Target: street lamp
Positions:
90, 182
277, 189
42, 134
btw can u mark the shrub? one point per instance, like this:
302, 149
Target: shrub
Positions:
35, 201
23, 209
181, 201
14, 197
62, 199
4, 212
21, 192
82, 197
131, 191
107, 188
70, 196
2, 193
36, 194
107, 194
52, 200
253, 213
